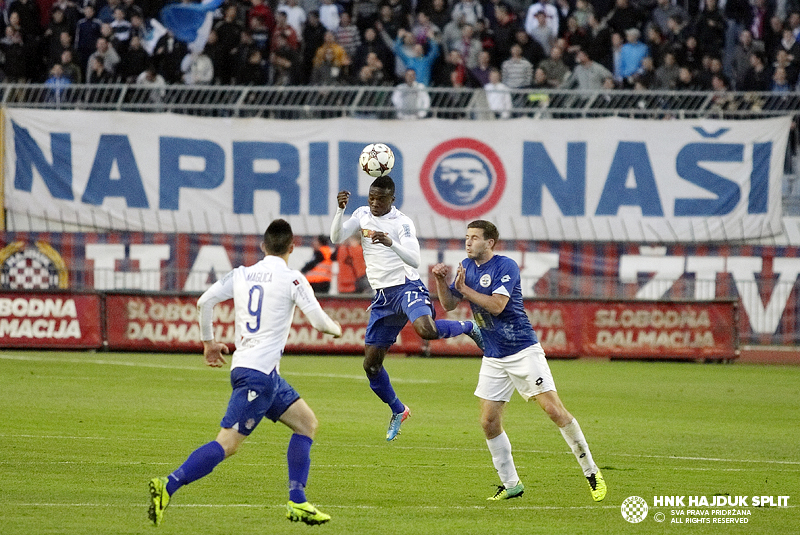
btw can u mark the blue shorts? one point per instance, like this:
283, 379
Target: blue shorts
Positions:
392, 307
255, 395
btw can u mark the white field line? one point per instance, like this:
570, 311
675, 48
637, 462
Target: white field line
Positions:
198, 367
427, 448
393, 507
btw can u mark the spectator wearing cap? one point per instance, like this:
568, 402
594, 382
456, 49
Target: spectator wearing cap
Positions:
541, 32
631, 55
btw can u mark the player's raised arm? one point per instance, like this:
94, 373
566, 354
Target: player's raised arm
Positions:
446, 297
340, 229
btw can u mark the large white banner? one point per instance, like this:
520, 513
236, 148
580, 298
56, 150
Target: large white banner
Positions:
595, 179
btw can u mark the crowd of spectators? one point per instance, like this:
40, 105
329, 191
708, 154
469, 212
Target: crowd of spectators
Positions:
496, 44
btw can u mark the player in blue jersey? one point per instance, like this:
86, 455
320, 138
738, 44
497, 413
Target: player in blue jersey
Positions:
264, 297
391, 254
513, 357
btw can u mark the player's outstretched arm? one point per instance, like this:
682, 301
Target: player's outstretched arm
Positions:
322, 322
446, 297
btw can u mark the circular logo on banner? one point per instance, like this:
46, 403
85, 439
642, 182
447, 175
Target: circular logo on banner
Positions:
27, 268
462, 178
634, 509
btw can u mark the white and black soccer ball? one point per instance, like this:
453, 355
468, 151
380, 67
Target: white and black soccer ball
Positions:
376, 159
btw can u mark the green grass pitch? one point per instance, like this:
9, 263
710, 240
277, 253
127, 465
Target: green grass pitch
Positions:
83, 433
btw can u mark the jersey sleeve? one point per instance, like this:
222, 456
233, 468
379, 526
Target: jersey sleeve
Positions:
220, 291
506, 277
341, 230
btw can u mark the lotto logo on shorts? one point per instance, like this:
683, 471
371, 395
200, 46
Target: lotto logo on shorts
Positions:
634, 509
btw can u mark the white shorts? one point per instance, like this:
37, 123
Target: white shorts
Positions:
527, 371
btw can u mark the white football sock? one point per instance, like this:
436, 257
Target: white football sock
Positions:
577, 442
500, 448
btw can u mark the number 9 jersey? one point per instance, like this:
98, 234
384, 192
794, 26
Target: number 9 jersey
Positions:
264, 296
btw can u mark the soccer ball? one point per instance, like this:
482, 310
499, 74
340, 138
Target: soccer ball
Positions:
376, 159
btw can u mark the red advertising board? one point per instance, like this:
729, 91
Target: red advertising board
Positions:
676, 330
169, 323
618, 329
50, 320
163, 323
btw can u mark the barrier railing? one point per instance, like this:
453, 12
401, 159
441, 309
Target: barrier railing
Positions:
369, 101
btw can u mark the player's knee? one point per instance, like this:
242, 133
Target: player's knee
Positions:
372, 368
309, 427
491, 425
230, 448
558, 414
427, 331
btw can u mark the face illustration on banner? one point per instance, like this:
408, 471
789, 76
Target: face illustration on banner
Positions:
462, 179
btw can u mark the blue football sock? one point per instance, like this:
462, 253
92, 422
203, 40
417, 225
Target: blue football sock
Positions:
382, 386
451, 328
199, 464
298, 457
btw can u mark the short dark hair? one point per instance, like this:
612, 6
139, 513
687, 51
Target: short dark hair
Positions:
383, 182
489, 230
278, 237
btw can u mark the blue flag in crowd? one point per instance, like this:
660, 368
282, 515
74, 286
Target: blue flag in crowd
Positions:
185, 20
